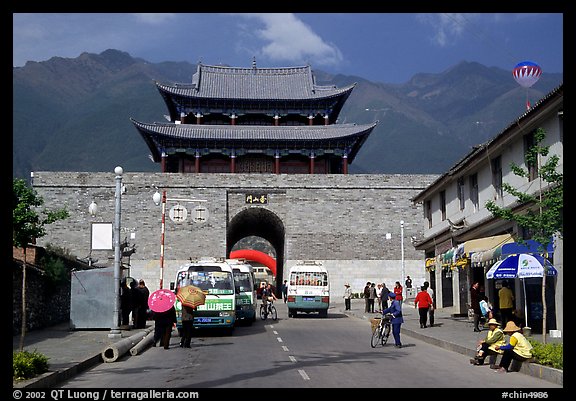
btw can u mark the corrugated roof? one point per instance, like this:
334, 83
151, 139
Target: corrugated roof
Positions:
220, 82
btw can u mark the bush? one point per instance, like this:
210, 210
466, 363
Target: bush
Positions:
26, 365
548, 354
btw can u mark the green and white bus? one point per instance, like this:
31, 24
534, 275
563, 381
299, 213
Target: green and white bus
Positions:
308, 289
214, 276
243, 273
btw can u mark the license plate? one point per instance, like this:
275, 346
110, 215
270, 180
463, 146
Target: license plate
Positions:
308, 299
204, 320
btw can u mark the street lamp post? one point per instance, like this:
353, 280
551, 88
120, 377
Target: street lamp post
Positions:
115, 330
157, 198
402, 249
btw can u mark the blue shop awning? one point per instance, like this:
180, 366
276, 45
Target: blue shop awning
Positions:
530, 247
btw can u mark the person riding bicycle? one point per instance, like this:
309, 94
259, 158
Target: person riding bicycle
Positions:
395, 309
268, 295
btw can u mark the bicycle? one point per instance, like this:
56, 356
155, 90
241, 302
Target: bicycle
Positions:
381, 333
268, 309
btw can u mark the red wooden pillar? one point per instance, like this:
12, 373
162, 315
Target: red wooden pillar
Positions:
163, 162
277, 163
310, 119
326, 118
312, 157
233, 162
276, 120
197, 163
199, 118
345, 163
233, 118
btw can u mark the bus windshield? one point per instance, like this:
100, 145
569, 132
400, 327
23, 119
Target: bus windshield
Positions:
242, 281
209, 279
319, 279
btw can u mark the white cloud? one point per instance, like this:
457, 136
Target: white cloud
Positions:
154, 18
286, 38
448, 27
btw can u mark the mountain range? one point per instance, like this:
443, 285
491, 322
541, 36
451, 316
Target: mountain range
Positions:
73, 114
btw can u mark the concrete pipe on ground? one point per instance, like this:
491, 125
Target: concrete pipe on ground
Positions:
114, 351
141, 345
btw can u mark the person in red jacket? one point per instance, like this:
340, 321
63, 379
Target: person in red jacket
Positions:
423, 302
398, 291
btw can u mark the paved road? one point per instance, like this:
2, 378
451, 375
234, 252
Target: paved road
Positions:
72, 351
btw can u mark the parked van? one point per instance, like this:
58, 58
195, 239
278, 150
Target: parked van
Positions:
308, 289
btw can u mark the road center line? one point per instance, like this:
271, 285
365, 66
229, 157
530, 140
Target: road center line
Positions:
303, 374
279, 339
285, 348
293, 359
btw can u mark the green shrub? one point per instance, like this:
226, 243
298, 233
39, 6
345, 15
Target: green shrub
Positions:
550, 354
56, 271
27, 364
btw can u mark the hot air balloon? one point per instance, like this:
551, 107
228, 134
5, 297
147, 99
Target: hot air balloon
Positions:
527, 73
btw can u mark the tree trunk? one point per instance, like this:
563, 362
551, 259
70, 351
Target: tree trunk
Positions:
23, 328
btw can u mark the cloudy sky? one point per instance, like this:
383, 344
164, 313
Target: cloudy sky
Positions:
382, 47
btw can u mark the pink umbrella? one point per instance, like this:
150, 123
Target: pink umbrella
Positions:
161, 300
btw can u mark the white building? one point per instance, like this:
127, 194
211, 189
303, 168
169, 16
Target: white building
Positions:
462, 239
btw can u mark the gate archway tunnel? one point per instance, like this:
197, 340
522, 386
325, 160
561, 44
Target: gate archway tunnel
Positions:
260, 222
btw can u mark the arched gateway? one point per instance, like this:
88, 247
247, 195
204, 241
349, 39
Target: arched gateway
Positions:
261, 223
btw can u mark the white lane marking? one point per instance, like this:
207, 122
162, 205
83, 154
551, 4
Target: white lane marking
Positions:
293, 359
285, 348
303, 374
274, 331
279, 339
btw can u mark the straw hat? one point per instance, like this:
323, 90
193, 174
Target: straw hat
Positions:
511, 327
493, 321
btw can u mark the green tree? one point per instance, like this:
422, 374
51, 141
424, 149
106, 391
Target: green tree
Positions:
28, 224
544, 215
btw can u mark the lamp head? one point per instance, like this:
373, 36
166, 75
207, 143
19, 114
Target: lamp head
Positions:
157, 198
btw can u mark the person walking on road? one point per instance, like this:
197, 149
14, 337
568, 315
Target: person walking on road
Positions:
379, 288
163, 324
285, 290
347, 296
372, 296
506, 302
408, 282
366, 295
395, 309
141, 305
475, 304
433, 305
398, 291
125, 302
423, 302
187, 326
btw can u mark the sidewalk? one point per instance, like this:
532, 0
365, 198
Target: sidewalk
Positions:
71, 352
452, 333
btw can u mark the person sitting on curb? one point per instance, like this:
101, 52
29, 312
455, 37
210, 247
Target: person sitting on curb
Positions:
487, 346
518, 348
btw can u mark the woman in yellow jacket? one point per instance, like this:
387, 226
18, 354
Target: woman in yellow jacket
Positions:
494, 338
518, 348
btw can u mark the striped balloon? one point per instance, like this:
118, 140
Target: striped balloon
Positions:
527, 73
